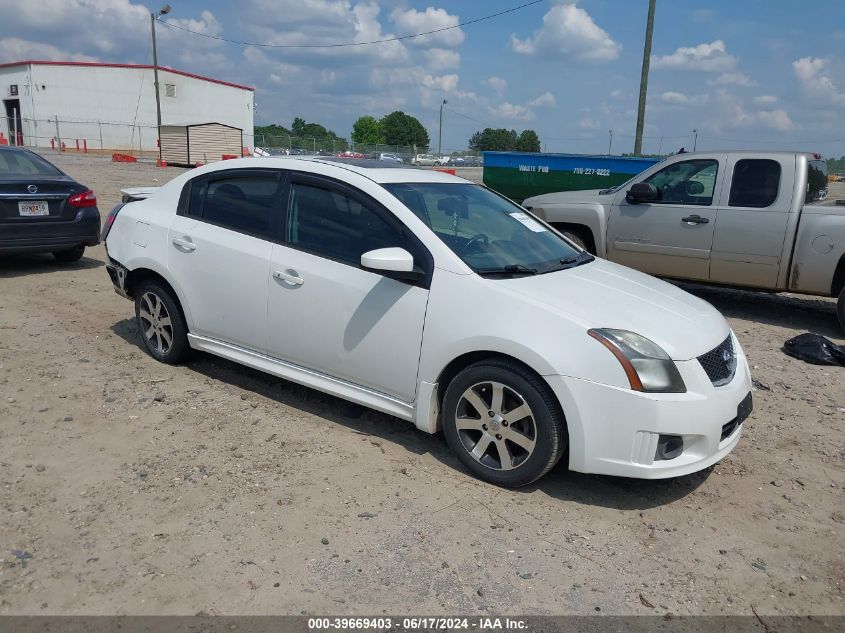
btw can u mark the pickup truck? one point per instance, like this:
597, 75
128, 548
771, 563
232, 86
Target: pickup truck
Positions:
748, 219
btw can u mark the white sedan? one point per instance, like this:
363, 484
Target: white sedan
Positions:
437, 301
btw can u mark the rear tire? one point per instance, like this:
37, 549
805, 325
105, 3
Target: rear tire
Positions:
576, 239
503, 423
840, 308
160, 323
69, 255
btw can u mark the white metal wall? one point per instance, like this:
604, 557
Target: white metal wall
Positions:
116, 106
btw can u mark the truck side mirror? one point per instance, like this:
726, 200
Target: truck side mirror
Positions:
641, 192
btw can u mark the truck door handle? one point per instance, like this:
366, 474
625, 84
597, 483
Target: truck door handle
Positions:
184, 243
288, 278
695, 219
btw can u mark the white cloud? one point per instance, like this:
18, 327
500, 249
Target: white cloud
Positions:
498, 84
569, 31
712, 57
617, 94
545, 100
589, 124
679, 98
765, 100
733, 79
509, 110
810, 72
16, 49
442, 58
413, 21
446, 83
776, 119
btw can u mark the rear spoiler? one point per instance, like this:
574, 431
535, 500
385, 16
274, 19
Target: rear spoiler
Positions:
131, 194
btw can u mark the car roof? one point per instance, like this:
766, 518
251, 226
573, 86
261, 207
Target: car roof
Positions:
375, 170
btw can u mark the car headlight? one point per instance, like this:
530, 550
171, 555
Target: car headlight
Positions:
647, 366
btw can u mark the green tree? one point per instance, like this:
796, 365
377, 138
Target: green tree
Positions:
528, 141
403, 129
298, 126
494, 139
368, 130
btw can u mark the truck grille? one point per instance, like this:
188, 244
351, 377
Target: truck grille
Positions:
720, 363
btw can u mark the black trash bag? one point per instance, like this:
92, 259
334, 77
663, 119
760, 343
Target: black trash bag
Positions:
815, 349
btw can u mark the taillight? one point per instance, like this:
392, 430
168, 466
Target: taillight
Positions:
84, 199
110, 220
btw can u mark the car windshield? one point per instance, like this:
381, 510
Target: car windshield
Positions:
23, 163
487, 231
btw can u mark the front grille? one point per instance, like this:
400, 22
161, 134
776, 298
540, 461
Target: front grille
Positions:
720, 363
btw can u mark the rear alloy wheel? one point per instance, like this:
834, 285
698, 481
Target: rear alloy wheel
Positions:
160, 323
503, 423
69, 255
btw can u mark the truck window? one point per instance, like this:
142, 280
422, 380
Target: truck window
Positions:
687, 182
816, 181
755, 183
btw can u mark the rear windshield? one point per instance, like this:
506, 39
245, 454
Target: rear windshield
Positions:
816, 181
23, 163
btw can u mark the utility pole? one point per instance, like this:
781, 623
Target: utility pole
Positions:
649, 29
610, 144
695, 139
440, 131
153, 17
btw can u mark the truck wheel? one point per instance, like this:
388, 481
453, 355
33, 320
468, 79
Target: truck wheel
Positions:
840, 308
503, 423
576, 239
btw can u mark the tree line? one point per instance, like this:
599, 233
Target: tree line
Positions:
396, 128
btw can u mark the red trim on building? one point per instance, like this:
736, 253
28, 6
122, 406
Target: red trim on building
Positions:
137, 66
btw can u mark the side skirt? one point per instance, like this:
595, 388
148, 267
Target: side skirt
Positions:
307, 377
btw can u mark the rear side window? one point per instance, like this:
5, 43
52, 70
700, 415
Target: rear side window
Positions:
336, 226
246, 203
816, 181
755, 183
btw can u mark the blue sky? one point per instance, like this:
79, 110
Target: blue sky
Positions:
750, 73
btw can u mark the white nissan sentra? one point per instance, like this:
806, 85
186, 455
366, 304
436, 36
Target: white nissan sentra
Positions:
437, 301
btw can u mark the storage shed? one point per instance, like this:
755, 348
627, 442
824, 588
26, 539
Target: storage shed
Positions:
187, 145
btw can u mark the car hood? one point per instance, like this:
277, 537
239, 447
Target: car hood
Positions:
602, 294
588, 196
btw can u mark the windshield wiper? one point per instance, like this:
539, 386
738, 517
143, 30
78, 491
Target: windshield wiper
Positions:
513, 269
575, 260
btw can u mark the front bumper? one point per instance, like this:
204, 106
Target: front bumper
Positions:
615, 431
45, 236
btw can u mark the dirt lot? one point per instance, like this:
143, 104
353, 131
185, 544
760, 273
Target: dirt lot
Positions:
130, 487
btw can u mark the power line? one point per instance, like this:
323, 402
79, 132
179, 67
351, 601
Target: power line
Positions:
382, 41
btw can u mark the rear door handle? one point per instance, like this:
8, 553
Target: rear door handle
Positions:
184, 243
288, 278
695, 219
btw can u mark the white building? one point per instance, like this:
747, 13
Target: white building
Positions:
112, 106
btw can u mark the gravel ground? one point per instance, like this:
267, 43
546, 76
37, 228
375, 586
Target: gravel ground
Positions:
131, 487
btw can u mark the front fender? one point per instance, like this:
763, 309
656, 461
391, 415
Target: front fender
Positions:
592, 216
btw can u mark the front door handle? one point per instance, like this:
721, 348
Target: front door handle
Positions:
184, 243
288, 278
695, 219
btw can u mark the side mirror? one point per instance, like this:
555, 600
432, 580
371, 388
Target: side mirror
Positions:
390, 260
641, 192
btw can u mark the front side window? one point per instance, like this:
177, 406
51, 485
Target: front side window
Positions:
247, 203
755, 183
487, 231
331, 224
687, 182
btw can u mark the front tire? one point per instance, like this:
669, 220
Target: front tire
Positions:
576, 239
840, 308
503, 423
160, 323
69, 255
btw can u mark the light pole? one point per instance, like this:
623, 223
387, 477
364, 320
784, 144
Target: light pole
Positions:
695, 139
153, 17
440, 131
649, 29
610, 144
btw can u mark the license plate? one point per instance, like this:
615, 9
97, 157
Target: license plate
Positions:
744, 409
33, 208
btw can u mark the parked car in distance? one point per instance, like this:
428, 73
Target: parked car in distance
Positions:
42, 209
390, 158
742, 218
424, 160
440, 302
